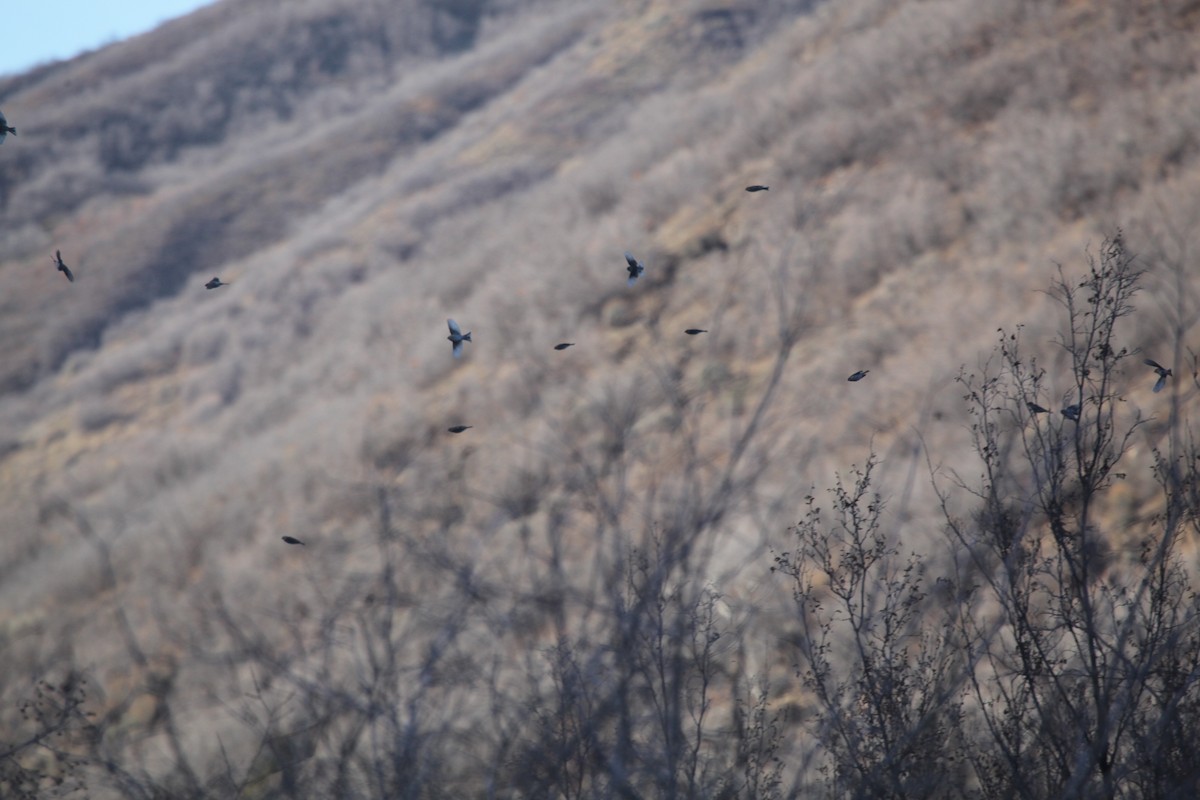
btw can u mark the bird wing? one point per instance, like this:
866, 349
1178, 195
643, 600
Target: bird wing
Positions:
67, 271
632, 280
1160, 383
633, 262
457, 331
457, 349
1150, 362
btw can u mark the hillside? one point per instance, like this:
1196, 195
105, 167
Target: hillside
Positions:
360, 172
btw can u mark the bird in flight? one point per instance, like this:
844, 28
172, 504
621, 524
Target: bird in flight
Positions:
5, 130
292, 540
757, 188
63, 268
858, 376
1163, 373
1072, 412
694, 331
214, 283
459, 428
1034, 408
457, 337
563, 345
636, 268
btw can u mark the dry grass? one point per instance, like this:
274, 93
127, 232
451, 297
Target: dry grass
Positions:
360, 174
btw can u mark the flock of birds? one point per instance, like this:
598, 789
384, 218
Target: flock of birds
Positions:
636, 269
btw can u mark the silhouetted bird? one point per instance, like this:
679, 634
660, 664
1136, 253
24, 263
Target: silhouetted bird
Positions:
1163, 374
457, 337
1034, 408
757, 188
4, 129
1072, 412
292, 540
214, 283
564, 345
694, 331
459, 428
636, 268
63, 268
858, 376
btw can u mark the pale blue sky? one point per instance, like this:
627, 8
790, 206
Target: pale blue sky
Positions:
36, 31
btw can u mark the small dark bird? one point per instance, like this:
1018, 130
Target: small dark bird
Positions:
694, 331
292, 540
1072, 412
757, 188
1163, 374
858, 376
1034, 408
63, 268
214, 283
564, 345
457, 337
459, 428
636, 268
4, 128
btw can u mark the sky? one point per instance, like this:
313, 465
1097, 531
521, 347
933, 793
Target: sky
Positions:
36, 31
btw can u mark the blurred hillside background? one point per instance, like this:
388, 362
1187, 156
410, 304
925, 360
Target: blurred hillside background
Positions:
359, 172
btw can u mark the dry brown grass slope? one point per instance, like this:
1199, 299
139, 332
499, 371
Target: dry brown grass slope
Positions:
360, 172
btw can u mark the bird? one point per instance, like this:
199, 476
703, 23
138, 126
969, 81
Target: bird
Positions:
214, 283
757, 188
1163, 373
636, 268
694, 331
1072, 412
4, 128
292, 540
457, 337
1034, 408
563, 345
459, 428
63, 268
858, 376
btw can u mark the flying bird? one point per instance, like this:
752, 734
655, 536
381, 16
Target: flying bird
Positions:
292, 540
214, 283
457, 337
694, 331
459, 428
1163, 374
1072, 412
1034, 408
564, 345
636, 268
858, 376
757, 188
5, 130
63, 268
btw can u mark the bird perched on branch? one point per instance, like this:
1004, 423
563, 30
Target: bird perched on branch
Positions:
5, 130
636, 268
1163, 374
63, 268
214, 283
457, 337
1034, 408
1071, 412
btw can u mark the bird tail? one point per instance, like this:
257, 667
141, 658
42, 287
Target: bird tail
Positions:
467, 336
